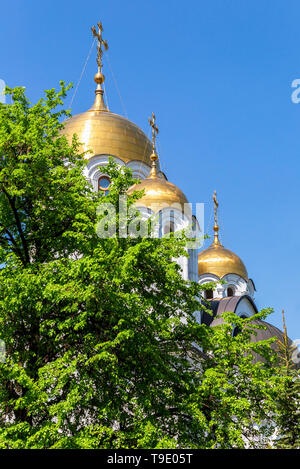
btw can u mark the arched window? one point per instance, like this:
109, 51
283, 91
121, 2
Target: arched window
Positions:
230, 291
103, 184
209, 294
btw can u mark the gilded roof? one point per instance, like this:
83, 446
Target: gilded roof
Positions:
159, 194
104, 132
220, 261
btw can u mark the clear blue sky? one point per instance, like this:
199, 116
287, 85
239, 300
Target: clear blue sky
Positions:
218, 75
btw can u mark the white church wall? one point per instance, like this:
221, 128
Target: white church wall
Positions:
173, 220
237, 283
245, 308
139, 169
193, 265
95, 168
251, 288
209, 278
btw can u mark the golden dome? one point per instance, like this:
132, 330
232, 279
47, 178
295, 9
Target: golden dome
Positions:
158, 192
104, 132
217, 260
220, 261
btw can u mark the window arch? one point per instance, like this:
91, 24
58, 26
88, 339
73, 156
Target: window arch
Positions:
103, 184
230, 290
209, 294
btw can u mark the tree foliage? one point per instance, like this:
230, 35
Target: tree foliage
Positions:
288, 398
103, 346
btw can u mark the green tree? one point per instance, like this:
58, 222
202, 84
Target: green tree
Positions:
288, 399
94, 356
235, 394
103, 349
41, 182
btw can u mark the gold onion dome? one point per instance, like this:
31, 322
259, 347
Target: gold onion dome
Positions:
217, 260
158, 192
104, 132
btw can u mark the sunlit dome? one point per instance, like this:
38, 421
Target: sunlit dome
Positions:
218, 260
159, 193
105, 133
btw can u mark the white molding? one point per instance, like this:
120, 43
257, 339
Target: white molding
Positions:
245, 308
94, 168
239, 284
139, 169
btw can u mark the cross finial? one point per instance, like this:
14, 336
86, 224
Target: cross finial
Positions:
216, 226
216, 207
101, 42
154, 130
153, 157
99, 78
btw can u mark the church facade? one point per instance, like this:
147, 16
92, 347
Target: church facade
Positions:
106, 134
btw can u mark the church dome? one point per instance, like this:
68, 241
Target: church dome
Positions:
158, 192
104, 132
218, 260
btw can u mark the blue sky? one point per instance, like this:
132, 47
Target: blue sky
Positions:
218, 75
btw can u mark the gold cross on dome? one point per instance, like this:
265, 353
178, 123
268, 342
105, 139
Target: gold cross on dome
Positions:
216, 206
154, 130
216, 226
101, 42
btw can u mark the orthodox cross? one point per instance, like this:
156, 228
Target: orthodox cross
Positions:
216, 226
216, 206
101, 42
154, 130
